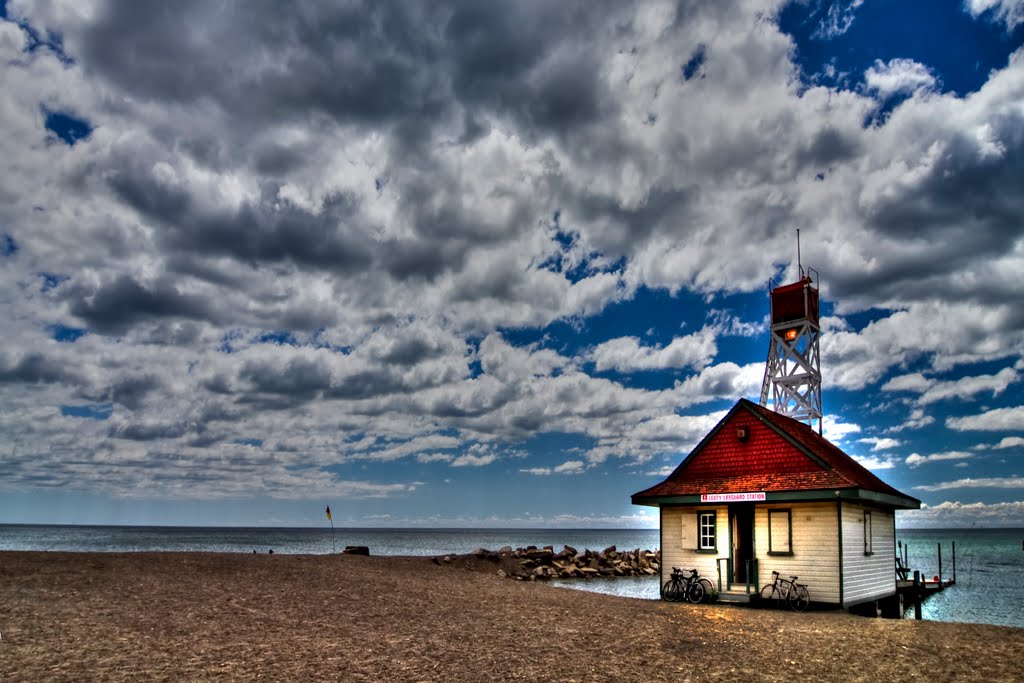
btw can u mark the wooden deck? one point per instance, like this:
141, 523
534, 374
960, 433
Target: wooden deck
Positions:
736, 596
913, 591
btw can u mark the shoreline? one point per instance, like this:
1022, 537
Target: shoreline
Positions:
237, 616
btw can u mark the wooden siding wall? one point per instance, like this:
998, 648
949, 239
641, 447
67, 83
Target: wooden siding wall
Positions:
815, 558
679, 541
867, 577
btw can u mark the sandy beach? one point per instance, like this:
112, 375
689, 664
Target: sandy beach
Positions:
199, 616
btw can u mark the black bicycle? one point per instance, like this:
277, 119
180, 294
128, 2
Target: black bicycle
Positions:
794, 594
682, 587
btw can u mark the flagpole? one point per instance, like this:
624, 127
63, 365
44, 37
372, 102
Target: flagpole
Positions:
334, 546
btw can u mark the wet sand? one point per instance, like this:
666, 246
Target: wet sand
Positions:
206, 616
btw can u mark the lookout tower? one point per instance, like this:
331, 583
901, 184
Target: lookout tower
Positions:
792, 374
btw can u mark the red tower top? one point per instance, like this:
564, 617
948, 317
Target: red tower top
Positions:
795, 301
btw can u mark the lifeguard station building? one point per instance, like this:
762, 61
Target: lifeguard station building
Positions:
764, 492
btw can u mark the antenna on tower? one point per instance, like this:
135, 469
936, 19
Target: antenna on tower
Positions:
799, 264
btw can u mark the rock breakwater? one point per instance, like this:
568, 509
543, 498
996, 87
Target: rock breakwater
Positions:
532, 563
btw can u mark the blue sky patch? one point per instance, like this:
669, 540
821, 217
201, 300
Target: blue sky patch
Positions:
8, 247
277, 337
940, 35
51, 281
63, 333
696, 61
92, 411
70, 129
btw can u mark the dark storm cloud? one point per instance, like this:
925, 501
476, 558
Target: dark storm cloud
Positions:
118, 304
422, 258
132, 390
34, 367
149, 432
365, 63
965, 211
960, 188
511, 64
410, 351
270, 230
826, 147
300, 378
369, 384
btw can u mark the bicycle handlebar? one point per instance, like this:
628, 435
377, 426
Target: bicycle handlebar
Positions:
677, 570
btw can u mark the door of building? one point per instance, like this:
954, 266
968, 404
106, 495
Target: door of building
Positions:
741, 526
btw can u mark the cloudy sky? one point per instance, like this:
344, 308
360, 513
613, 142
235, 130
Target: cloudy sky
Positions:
496, 264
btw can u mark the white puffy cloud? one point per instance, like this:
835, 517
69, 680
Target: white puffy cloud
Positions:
954, 514
539, 471
1009, 11
967, 387
915, 459
875, 462
997, 419
916, 420
835, 430
626, 354
470, 460
1014, 482
434, 457
880, 443
948, 334
898, 76
915, 382
569, 467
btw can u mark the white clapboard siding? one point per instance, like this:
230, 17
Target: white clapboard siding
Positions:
679, 541
867, 577
815, 558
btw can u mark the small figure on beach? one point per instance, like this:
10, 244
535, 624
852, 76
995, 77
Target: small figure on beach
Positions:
271, 551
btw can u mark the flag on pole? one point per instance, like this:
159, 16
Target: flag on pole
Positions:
328, 512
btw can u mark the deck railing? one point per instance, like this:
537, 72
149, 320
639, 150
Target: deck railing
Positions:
751, 581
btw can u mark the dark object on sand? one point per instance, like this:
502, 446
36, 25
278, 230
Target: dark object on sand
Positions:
356, 550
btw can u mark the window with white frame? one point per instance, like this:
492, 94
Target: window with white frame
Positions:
868, 546
780, 532
706, 540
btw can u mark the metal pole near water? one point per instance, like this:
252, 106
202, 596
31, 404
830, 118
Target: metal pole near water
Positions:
917, 594
334, 546
954, 561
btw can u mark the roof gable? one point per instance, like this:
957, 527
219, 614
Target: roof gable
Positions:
778, 454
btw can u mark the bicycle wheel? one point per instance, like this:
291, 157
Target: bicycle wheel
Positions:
670, 591
709, 590
798, 598
769, 592
696, 593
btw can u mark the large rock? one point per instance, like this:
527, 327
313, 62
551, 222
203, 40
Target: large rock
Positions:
540, 554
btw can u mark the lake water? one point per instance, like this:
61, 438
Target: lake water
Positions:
989, 562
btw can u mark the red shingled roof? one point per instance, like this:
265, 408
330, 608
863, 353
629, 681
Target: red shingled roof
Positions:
779, 454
